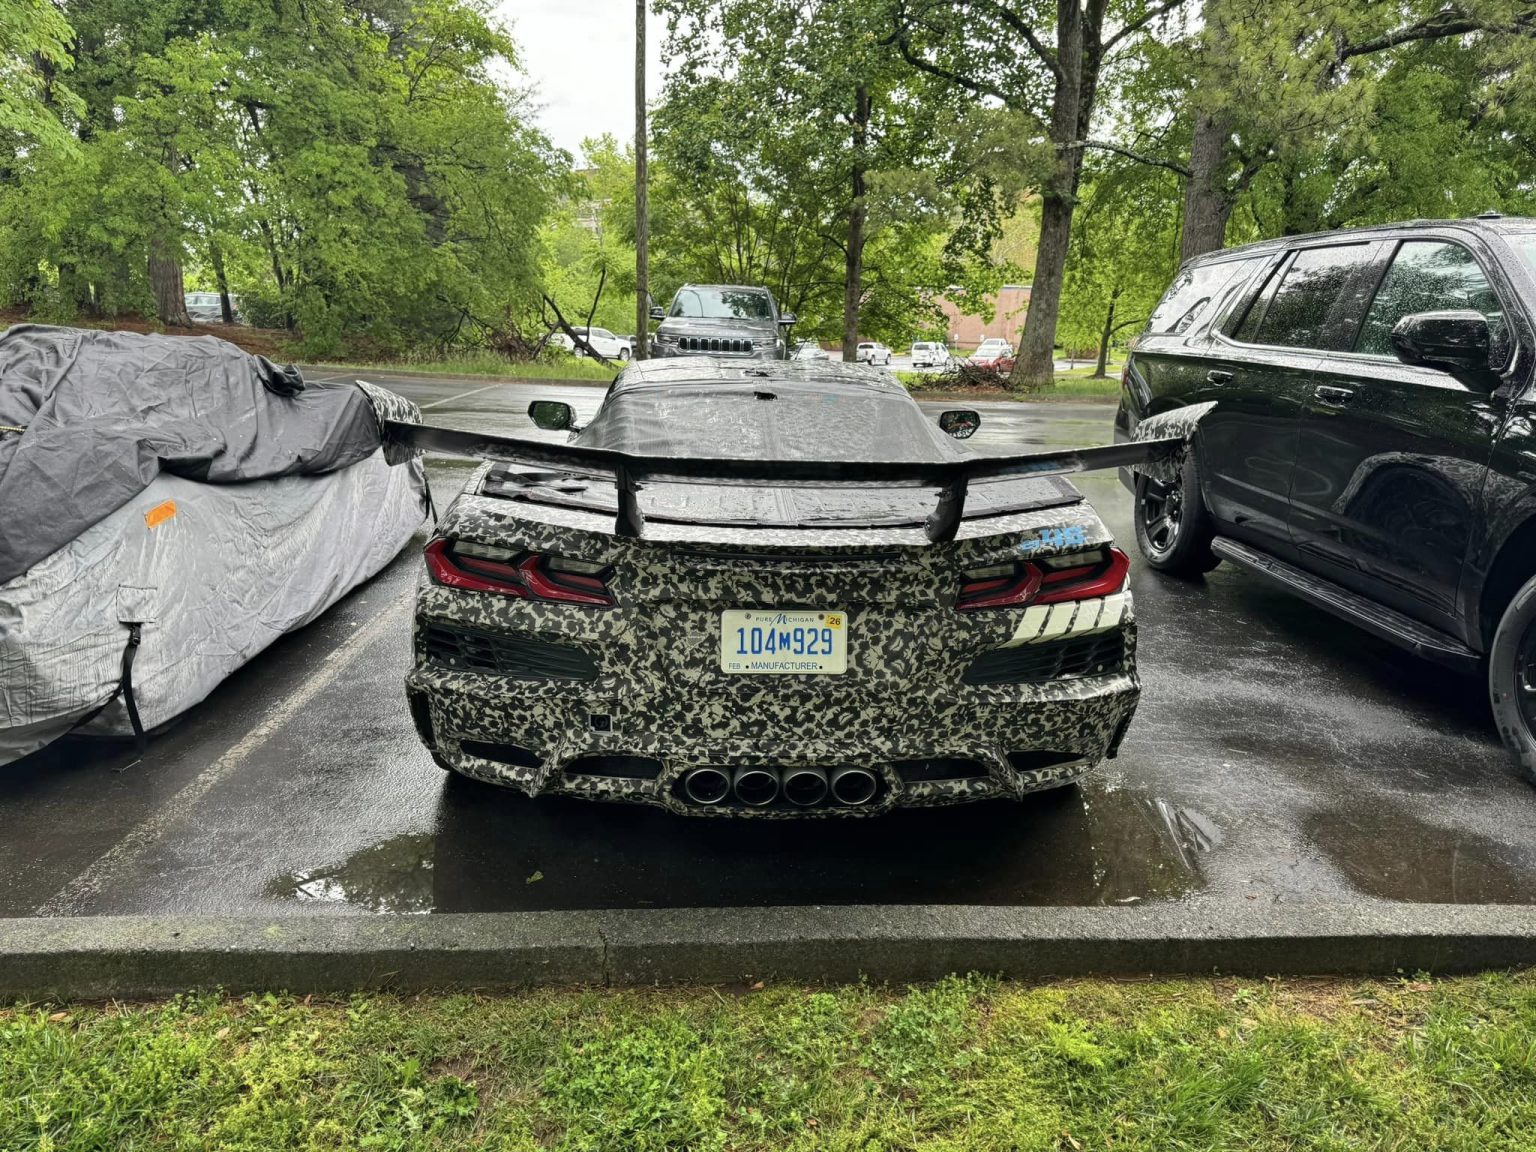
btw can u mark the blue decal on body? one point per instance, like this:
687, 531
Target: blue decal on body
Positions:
1072, 536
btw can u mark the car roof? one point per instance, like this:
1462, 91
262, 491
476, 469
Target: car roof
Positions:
684, 372
1488, 222
728, 287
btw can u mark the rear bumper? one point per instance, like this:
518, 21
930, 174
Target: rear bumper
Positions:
546, 737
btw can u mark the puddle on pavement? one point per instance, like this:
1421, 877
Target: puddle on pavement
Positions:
392, 876
1388, 854
496, 851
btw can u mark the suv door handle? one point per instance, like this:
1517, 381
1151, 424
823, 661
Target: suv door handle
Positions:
1332, 397
1218, 376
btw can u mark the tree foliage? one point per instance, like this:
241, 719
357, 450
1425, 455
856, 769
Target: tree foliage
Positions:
353, 167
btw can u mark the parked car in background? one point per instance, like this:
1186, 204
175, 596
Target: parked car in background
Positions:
929, 354
991, 353
722, 320
746, 636
204, 307
809, 350
1371, 444
605, 343
872, 352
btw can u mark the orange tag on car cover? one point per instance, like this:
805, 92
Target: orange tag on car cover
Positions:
160, 513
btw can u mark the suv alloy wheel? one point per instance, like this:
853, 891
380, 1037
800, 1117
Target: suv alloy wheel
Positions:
1173, 528
1512, 678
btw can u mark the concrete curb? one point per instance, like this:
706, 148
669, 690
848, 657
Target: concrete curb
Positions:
98, 957
384, 375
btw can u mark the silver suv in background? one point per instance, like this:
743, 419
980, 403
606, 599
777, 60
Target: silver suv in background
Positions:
722, 320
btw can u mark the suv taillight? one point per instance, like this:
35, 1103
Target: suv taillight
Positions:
528, 575
1080, 576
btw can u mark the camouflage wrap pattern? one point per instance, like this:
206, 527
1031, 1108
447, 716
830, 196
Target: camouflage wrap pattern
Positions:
1178, 423
388, 405
659, 691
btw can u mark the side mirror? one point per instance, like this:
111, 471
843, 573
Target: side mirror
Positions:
658, 312
552, 415
961, 423
786, 318
1454, 341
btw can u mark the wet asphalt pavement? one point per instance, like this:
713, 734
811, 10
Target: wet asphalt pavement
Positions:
1277, 756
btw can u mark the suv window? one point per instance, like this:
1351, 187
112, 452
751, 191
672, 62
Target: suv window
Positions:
1427, 276
1313, 289
1191, 292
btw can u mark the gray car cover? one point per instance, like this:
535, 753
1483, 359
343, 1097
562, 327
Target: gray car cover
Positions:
88, 419
171, 506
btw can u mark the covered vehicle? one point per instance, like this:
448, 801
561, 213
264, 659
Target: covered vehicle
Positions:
171, 507
771, 589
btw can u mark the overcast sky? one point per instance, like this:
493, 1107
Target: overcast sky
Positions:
580, 56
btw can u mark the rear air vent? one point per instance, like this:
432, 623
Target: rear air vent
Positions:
928, 771
623, 767
1064, 660
500, 753
470, 650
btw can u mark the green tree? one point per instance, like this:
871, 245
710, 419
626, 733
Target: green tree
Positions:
806, 156
1045, 62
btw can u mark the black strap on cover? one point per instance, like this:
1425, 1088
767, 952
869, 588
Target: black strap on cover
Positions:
125, 690
125, 685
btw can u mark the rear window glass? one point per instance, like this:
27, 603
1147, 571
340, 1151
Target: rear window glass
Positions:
1190, 295
1314, 288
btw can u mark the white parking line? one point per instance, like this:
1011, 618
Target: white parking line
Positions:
71, 898
460, 396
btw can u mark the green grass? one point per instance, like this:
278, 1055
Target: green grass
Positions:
960, 1065
1073, 385
486, 364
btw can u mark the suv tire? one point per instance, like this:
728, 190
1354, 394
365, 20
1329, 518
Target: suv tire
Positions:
1173, 527
1512, 678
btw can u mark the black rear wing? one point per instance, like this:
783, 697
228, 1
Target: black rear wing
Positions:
630, 473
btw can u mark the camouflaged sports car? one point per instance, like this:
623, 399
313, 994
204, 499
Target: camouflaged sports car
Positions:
771, 589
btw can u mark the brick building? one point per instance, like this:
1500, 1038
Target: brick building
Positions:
966, 330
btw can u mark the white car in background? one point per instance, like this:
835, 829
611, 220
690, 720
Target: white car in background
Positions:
871, 352
606, 343
929, 354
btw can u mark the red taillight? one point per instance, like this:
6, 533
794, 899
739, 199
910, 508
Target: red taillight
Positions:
1104, 578
1027, 583
1003, 590
531, 576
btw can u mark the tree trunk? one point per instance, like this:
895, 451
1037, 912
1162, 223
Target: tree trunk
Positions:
226, 307
1100, 369
642, 206
858, 211
1071, 108
170, 291
1207, 202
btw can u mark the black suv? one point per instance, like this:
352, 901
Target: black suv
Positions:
1372, 445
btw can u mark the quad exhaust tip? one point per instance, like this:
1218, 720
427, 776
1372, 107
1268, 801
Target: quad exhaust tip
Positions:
756, 787
853, 786
805, 787
706, 785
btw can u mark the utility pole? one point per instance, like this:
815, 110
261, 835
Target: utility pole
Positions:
642, 210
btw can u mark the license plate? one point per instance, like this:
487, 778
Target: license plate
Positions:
767, 642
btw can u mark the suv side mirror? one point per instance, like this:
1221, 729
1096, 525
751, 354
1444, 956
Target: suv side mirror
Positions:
786, 318
658, 312
552, 415
1453, 341
961, 423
